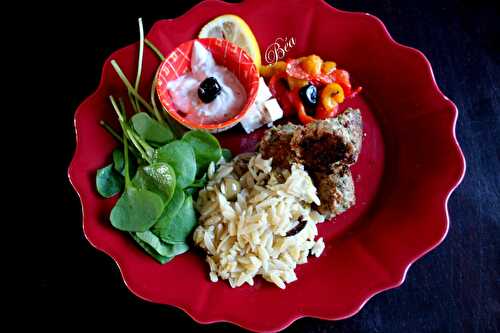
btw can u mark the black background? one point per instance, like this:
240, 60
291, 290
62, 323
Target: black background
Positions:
455, 288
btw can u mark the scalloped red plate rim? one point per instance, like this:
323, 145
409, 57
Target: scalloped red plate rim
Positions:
295, 316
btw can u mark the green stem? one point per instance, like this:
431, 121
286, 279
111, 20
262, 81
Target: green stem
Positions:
142, 145
154, 49
118, 137
133, 101
125, 148
153, 101
123, 119
147, 152
167, 121
139, 64
144, 154
122, 105
118, 112
130, 88
111, 131
123, 123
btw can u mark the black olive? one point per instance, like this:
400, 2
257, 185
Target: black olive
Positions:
208, 90
309, 95
298, 228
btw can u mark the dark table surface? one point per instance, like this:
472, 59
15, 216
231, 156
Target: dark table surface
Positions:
455, 288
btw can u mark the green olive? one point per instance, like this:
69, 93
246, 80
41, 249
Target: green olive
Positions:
232, 188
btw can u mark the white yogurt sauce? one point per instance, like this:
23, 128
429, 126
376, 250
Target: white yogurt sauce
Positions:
184, 90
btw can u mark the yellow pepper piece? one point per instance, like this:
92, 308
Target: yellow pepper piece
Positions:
266, 71
296, 83
331, 95
271, 69
312, 64
328, 67
279, 66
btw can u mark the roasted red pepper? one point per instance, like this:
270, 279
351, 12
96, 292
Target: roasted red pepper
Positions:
310, 69
295, 70
301, 110
342, 77
279, 89
323, 113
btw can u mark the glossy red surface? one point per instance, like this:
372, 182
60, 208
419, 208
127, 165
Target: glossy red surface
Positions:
409, 165
225, 54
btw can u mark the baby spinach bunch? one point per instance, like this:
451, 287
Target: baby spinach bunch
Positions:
159, 170
157, 185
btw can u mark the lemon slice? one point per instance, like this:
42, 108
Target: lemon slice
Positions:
235, 30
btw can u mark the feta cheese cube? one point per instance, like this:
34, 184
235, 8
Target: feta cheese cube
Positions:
263, 111
253, 118
274, 110
263, 93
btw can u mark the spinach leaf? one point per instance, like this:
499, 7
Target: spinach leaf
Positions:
199, 183
169, 212
158, 178
108, 181
180, 156
179, 228
136, 210
161, 259
227, 154
119, 162
151, 130
163, 249
206, 148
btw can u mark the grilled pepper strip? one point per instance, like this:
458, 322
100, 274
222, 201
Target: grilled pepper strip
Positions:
301, 110
342, 77
331, 96
322, 113
281, 92
295, 70
271, 69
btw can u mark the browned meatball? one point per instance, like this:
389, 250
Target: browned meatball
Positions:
326, 148
276, 143
317, 145
335, 190
322, 143
352, 121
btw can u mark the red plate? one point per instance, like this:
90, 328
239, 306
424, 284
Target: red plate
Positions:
409, 165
